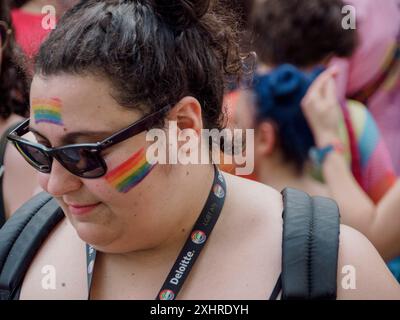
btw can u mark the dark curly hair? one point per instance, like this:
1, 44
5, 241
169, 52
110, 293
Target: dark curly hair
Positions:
153, 52
242, 9
17, 3
14, 96
300, 32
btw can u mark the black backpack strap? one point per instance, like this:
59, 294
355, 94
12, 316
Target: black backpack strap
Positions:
310, 246
3, 147
21, 237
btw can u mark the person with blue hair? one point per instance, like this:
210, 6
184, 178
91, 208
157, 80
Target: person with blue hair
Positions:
292, 53
283, 138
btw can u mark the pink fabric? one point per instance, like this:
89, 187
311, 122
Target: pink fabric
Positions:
28, 30
374, 166
378, 25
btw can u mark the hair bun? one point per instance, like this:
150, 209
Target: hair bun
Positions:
181, 14
282, 89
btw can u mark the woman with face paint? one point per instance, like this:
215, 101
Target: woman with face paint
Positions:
13, 107
111, 71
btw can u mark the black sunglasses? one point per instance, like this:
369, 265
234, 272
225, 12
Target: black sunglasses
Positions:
82, 160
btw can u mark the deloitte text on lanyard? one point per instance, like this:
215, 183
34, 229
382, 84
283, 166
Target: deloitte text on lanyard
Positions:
193, 246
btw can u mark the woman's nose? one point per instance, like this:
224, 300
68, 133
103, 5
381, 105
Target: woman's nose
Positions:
60, 181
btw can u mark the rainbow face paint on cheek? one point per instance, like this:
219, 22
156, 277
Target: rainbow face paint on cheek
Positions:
130, 173
47, 111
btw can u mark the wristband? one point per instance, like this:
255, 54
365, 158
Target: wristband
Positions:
318, 155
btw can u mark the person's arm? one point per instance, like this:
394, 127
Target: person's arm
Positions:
356, 207
385, 228
381, 223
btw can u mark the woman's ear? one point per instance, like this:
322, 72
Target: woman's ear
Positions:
265, 138
188, 114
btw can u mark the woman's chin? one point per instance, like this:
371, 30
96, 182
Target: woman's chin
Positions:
93, 234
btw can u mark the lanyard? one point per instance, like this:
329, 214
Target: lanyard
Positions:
191, 250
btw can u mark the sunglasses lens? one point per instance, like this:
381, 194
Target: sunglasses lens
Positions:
36, 157
82, 162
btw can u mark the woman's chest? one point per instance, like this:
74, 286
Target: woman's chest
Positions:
58, 269
229, 267
239, 272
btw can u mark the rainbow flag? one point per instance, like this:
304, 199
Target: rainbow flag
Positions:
375, 165
130, 173
47, 111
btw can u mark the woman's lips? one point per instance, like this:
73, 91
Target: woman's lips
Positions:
81, 210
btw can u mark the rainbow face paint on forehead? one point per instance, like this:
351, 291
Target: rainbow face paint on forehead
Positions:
47, 111
130, 173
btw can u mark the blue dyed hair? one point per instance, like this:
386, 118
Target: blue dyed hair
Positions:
279, 94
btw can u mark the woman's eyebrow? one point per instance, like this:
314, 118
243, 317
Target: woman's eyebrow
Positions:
72, 137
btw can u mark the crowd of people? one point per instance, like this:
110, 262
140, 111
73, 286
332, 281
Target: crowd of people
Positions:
78, 100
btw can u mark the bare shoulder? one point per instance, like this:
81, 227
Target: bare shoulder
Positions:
258, 199
362, 273
262, 207
57, 270
255, 205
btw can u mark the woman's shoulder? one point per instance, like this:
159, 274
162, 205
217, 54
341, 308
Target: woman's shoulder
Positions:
254, 210
243, 257
253, 198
